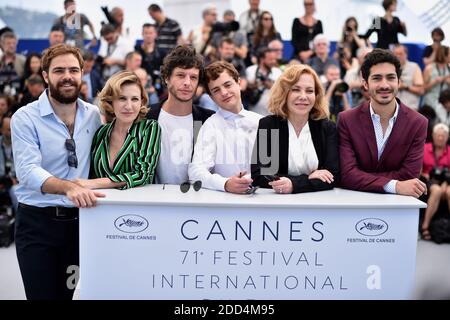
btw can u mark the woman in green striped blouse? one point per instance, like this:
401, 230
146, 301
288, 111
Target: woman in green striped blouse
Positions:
125, 151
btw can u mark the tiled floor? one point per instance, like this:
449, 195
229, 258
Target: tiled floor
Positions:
432, 272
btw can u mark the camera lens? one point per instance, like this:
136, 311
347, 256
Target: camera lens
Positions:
341, 87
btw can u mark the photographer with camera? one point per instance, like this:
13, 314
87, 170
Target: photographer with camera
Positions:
116, 17
344, 57
201, 34
227, 52
260, 79
350, 37
229, 28
7, 172
12, 65
337, 92
436, 165
113, 50
348, 46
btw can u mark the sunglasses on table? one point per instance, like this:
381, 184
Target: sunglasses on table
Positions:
251, 189
185, 186
72, 159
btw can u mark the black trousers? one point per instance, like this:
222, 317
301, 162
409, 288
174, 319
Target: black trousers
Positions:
46, 246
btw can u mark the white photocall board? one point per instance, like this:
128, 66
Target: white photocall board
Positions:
155, 243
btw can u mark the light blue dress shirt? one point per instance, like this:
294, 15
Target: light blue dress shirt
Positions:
382, 140
38, 139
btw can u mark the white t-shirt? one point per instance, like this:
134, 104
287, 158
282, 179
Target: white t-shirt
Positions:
177, 134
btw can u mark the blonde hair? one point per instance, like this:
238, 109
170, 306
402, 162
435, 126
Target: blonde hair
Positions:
283, 85
112, 90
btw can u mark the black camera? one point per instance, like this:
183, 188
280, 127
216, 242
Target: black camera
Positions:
253, 93
225, 27
109, 17
349, 29
260, 80
341, 87
440, 175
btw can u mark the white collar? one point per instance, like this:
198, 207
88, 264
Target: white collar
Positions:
227, 115
394, 117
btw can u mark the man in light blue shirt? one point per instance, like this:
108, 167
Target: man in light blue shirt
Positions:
51, 140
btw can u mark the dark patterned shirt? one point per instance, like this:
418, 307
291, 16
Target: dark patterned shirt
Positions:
168, 33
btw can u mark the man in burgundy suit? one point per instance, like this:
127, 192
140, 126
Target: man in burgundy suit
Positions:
382, 141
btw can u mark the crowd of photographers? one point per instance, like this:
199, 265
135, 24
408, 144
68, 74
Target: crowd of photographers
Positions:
253, 45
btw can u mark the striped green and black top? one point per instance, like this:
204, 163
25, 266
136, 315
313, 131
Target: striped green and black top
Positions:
135, 162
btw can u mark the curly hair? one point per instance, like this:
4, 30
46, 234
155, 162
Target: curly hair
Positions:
281, 88
378, 56
215, 69
112, 90
185, 57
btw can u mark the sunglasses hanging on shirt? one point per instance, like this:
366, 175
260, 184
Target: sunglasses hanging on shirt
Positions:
72, 159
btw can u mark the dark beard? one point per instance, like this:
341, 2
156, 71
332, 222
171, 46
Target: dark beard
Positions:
59, 96
173, 93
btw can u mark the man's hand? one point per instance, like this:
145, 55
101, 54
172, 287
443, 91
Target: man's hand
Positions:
346, 64
108, 61
238, 184
83, 197
332, 86
412, 187
93, 42
268, 83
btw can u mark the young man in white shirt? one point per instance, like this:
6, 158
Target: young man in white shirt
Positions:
224, 146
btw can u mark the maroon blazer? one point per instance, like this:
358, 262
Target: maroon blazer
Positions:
402, 156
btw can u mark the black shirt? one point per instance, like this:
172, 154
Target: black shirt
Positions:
302, 35
168, 33
387, 32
